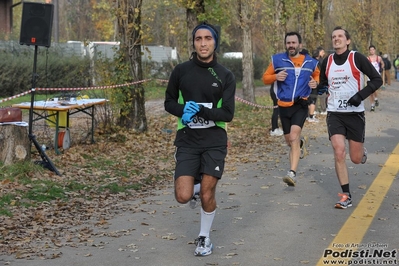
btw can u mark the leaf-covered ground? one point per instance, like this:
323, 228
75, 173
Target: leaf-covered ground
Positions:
99, 179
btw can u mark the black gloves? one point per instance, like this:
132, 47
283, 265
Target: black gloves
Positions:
322, 90
355, 100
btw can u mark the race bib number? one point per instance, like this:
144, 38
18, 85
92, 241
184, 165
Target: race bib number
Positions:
341, 100
199, 122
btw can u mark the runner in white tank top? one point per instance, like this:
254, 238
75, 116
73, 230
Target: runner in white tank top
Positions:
378, 64
345, 81
343, 72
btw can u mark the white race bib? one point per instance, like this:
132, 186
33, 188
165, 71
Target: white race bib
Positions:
341, 100
199, 122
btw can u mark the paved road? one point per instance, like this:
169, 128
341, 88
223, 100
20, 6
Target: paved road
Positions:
259, 220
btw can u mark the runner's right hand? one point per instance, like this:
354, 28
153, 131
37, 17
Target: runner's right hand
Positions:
187, 118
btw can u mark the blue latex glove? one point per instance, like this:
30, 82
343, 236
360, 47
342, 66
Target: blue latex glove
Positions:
187, 118
191, 107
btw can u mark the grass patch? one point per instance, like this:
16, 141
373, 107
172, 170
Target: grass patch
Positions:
76, 186
257, 82
6, 201
155, 92
16, 171
250, 116
45, 191
20, 186
115, 188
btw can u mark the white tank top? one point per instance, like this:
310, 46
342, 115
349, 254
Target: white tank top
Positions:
343, 82
375, 64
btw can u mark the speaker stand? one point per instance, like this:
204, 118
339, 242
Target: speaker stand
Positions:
45, 162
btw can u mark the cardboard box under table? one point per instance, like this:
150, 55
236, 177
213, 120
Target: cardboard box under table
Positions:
57, 114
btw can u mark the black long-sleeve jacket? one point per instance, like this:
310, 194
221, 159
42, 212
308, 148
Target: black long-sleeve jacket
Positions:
207, 84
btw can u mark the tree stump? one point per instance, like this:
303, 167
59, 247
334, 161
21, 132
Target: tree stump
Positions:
14, 144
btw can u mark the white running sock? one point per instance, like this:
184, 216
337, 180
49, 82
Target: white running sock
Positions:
197, 188
206, 222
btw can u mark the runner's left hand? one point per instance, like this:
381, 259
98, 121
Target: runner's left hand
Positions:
192, 107
355, 100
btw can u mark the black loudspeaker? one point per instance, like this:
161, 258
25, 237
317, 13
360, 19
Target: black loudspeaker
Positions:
36, 24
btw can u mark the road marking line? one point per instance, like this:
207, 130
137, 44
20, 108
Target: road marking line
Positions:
357, 224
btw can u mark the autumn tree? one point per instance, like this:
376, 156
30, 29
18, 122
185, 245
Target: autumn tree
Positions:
247, 10
368, 22
304, 21
132, 112
103, 22
79, 24
193, 9
318, 22
280, 25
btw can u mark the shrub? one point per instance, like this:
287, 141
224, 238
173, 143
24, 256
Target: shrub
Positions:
53, 70
235, 66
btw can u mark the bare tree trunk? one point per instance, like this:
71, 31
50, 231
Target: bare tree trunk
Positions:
319, 31
192, 21
248, 85
280, 27
132, 114
368, 26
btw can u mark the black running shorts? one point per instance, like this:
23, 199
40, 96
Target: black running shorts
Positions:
351, 125
198, 161
293, 115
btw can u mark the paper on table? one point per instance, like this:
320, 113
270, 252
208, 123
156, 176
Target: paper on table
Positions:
21, 124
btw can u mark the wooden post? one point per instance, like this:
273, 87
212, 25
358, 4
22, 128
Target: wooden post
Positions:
14, 144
